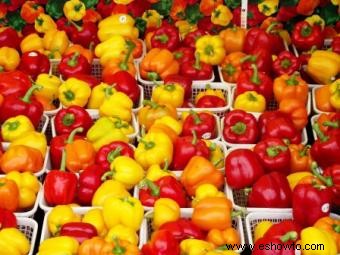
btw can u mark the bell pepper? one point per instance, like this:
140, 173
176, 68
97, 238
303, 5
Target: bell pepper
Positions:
74, 92
260, 57
21, 158
155, 172
166, 37
165, 210
60, 215
202, 123
250, 101
9, 59
16, 127
14, 83
208, 6
240, 127
74, 63
7, 219
335, 94
268, 7
93, 245
231, 66
274, 155
194, 246
184, 54
157, 64
60, 186
172, 94
122, 233
313, 236
80, 231
242, 168
123, 125
95, 217
331, 226
300, 158
162, 243
74, 10
210, 49
56, 40
32, 42
286, 63
87, 53
228, 236
233, 39
85, 35
9, 194
98, 95
105, 50
196, 70
60, 244
28, 186
127, 211
322, 98
278, 229
295, 108
33, 139
204, 191
191, 38
305, 36
117, 105
152, 18
34, 63
210, 98
221, 15
109, 188
306, 8
30, 10
333, 173
170, 122
261, 228
13, 241
335, 44
9, 38
298, 177
49, 86
89, 181
44, 23
157, 144
271, 190
200, 170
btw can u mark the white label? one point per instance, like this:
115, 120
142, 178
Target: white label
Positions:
122, 19
206, 135
325, 208
244, 13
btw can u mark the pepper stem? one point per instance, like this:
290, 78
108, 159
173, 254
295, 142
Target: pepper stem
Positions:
285, 63
271, 27
336, 228
27, 96
250, 58
326, 180
153, 76
303, 152
130, 46
229, 69
333, 124
63, 161
118, 123
166, 166
306, 31
162, 38
197, 64
194, 137
79, 28
118, 249
154, 189
150, 103
147, 145
113, 154
255, 76
196, 117
73, 61
292, 81
319, 133
68, 119
70, 138
13, 125
291, 235
239, 128
273, 151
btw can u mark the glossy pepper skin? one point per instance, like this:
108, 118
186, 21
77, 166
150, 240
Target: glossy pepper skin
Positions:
14, 83
286, 63
165, 187
70, 118
196, 70
166, 36
85, 35
202, 123
334, 173
184, 54
191, 38
7, 219
280, 228
271, 190
261, 57
162, 243
274, 155
73, 63
185, 82
240, 127
305, 36
9, 38
81, 231
34, 63
242, 168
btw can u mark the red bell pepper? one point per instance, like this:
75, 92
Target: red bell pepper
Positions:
305, 36
80, 231
73, 63
326, 149
60, 186
184, 54
34, 63
203, 123
333, 172
280, 228
196, 70
286, 13
89, 79
13, 5
240, 127
165, 37
137, 7
7, 219
89, 181
286, 63
210, 101
165, 187
336, 44
182, 229
185, 82
333, 125
109, 152
267, 117
242, 168
124, 82
14, 83
9, 38
162, 243
105, 7
256, 81
85, 35
185, 148
271, 191
63, 24
274, 155
14, 105
254, 17
191, 38
208, 27
261, 57
66, 120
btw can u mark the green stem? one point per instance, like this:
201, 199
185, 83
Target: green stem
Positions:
166, 166
113, 154
303, 152
154, 189
255, 77
306, 31
196, 117
197, 64
118, 123
194, 137
162, 38
73, 61
169, 87
319, 133
292, 81
107, 175
78, 7
273, 151
79, 28
271, 27
336, 228
12, 125
333, 124
251, 97
69, 95
229, 69
289, 236
150, 103
130, 46
251, 58
147, 145
239, 128
285, 63
63, 161
71, 136
153, 76
209, 50
27, 96
108, 91
68, 119
118, 249
326, 180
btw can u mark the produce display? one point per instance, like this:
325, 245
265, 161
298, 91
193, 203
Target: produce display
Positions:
169, 127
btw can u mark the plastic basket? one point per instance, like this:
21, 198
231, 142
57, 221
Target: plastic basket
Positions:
146, 228
43, 124
255, 218
29, 227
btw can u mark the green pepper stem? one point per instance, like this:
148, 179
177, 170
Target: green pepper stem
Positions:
69, 95
79, 28
285, 63
303, 152
73, 61
147, 145
162, 38
212, 147
271, 27
197, 64
166, 166
194, 137
289, 236
319, 133
71, 136
306, 31
336, 228
118, 249
107, 175
169, 87
108, 92
154, 189
68, 119
273, 151
13, 125
251, 58
328, 181
63, 161
239, 128
255, 76
113, 154
251, 97
118, 123
196, 117
150, 103
236, 213
217, 162
229, 69
292, 81
333, 124
153, 76
27, 96
130, 46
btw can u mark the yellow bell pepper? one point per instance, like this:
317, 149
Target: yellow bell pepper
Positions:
261, 229
250, 101
13, 242
60, 215
113, 47
74, 92
155, 172
204, 191
122, 233
52, 54
171, 122
9, 59
117, 24
268, 7
172, 94
295, 178
95, 217
74, 10
185, 27
16, 127
323, 66
165, 210
195, 247
216, 154
56, 40
154, 148
49, 86
209, 92
104, 132
126, 170
98, 95
117, 105
123, 125
61, 245
316, 20
222, 15
152, 18
32, 42
127, 211
334, 89
28, 185
34, 140
109, 188
210, 49
315, 237
44, 23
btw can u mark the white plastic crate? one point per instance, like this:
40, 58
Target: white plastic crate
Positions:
29, 227
146, 228
43, 124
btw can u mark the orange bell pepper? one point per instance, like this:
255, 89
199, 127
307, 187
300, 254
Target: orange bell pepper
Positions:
199, 171
119, 247
9, 194
178, 9
325, 117
222, 237
213, 213
332, 226
292, 86
91, 246
157, 64
231, 66
30, 10
138, 50
92, 15
46, 103
322, 99
87, 53
233, 39
300, 159
207, 6
296, 109
159, 127
147, 40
